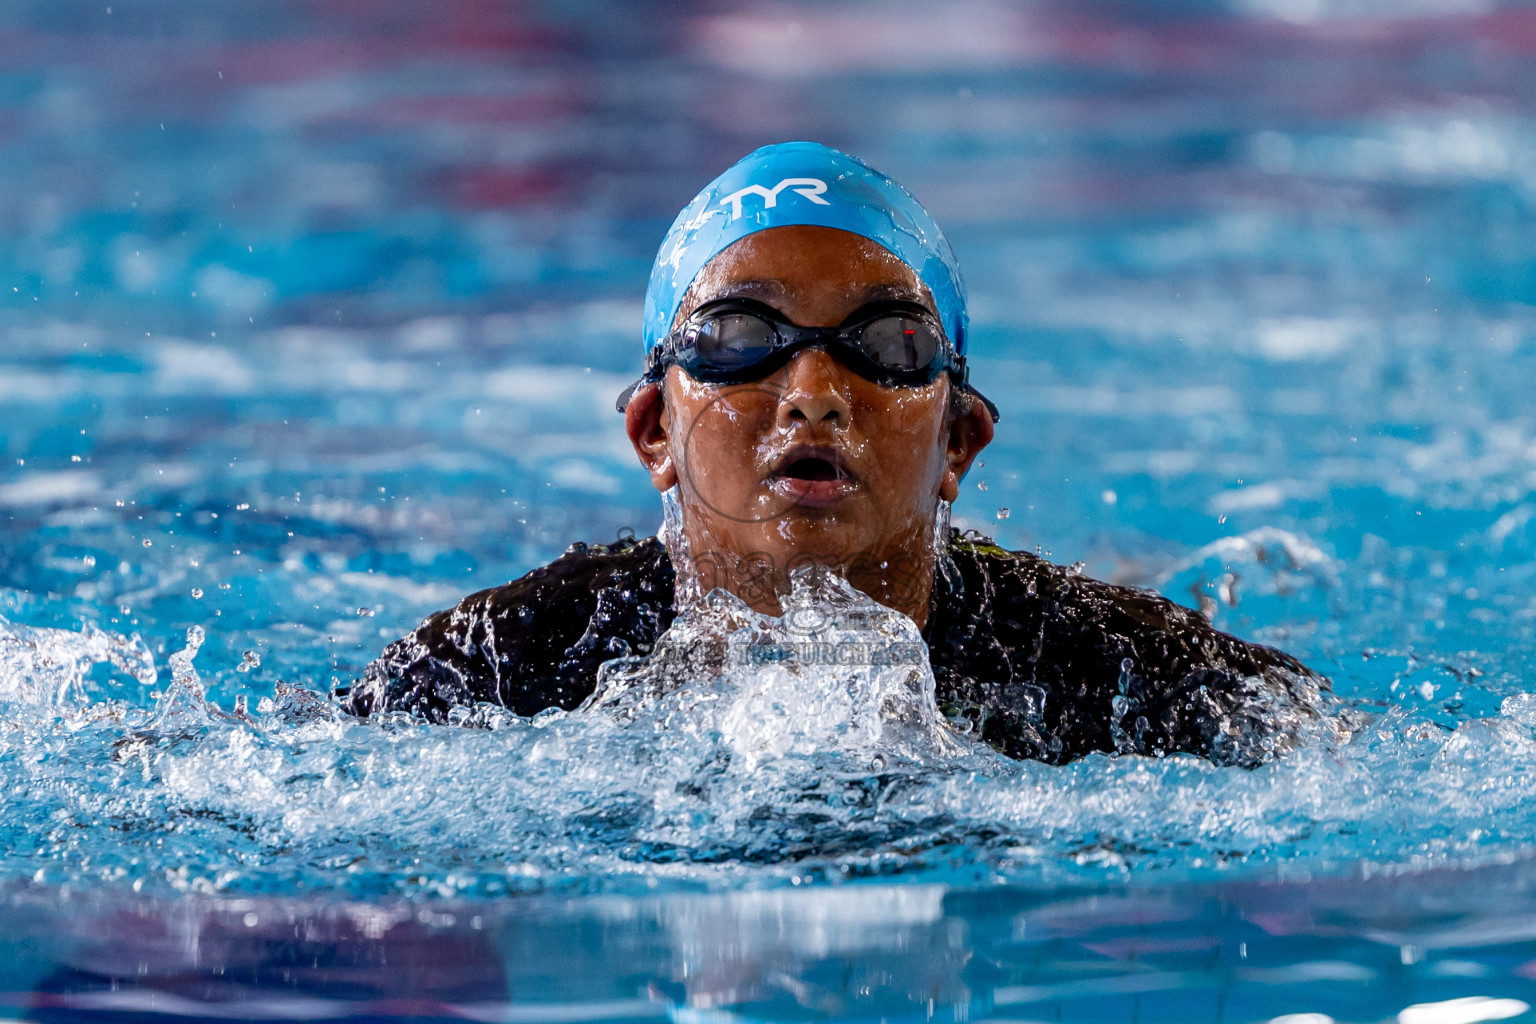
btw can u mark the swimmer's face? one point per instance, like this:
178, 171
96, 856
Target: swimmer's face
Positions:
811, 463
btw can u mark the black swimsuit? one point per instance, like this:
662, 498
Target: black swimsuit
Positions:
1043, 662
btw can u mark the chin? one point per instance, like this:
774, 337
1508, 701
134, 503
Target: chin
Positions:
824, 534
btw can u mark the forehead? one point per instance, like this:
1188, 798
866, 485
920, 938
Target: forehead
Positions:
816, 272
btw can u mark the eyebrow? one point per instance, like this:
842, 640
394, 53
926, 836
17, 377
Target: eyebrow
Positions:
765, 290
771, 289
890, 293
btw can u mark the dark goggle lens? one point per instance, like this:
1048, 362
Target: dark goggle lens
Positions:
900, 342
725, 343
731, 341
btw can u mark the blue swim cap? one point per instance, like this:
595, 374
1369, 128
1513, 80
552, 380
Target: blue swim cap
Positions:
802, 183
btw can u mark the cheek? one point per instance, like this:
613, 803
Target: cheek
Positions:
716, 435
907, 436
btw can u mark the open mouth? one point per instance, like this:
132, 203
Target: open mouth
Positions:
815, 469
813, 477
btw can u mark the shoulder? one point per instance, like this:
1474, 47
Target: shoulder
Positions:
1080, 602
1104, 666
550, 597
505, 643
581, 569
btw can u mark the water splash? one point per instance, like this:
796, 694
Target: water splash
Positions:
1282, 575
687, 590
184, 707
746, 749
837, 675
46, 668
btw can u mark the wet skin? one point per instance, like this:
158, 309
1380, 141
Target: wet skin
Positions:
812, 463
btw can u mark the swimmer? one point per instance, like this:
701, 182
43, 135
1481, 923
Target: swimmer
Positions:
806, 400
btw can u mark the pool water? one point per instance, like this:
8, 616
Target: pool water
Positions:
313, 320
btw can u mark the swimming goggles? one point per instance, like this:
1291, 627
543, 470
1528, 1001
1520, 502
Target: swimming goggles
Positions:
733, 341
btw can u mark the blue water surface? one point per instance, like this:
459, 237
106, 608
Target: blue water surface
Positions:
313, 315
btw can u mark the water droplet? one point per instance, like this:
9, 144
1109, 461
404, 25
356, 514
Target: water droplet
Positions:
74, 458
197, 593
248, 661
365, 612
981, 485
1109, 497
242, 506
1221, 519
119, 502
1002, 513
148, 543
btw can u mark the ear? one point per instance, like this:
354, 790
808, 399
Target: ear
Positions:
648, 426
969, 433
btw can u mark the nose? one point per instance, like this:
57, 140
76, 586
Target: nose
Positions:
815, 391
